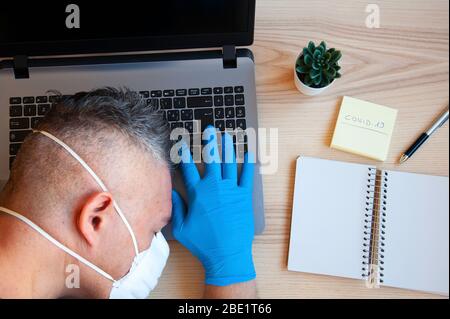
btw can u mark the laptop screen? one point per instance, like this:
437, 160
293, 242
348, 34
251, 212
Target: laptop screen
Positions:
85, 26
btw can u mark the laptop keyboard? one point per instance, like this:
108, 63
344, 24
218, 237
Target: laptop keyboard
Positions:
192, 109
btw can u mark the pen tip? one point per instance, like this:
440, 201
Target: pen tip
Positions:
404, 158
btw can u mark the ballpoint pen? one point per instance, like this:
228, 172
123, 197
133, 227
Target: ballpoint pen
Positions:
424, 137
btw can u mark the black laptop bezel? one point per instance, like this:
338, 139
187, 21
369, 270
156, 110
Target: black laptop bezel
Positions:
118, 45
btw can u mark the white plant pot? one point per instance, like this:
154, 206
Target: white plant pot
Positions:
306, 89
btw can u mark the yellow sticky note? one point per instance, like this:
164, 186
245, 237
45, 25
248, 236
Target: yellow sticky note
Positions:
364, 128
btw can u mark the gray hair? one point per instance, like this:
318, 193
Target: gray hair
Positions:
122, 110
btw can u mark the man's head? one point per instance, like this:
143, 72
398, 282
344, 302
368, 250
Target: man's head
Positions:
127, 145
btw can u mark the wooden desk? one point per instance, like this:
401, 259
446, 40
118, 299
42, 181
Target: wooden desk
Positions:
404, 64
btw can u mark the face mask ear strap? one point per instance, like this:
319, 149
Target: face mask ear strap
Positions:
98, 180
56, 242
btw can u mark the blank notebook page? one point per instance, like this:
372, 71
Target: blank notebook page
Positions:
417, 238
328, 218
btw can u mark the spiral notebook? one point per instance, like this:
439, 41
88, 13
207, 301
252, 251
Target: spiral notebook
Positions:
387, 228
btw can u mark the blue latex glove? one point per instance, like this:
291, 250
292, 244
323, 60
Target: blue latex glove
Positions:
217, 226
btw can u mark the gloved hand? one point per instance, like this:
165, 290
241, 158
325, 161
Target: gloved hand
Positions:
217, 225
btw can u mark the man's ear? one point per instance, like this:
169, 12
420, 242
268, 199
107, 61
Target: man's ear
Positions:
95, 213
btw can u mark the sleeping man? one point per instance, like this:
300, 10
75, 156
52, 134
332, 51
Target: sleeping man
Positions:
90, 192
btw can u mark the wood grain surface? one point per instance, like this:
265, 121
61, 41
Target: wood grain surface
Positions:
404, 65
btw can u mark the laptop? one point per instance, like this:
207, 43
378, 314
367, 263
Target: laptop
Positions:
182, 56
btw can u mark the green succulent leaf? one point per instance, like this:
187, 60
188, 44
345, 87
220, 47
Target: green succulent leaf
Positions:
314, 74
331, 72
318, 79
338, 75
302, 69
316, 65
308, 60
335, 56
307, 51
317, 54
311, 46
322, 47
300, 62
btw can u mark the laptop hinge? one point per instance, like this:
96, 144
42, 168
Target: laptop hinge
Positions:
229, 57
20, 63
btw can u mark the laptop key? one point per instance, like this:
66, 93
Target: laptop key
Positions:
228, 90
15, 110
42, 99
14, 148
241, 123
145, 94
179, 102
219, 113
189, 126
173, 116
205, 116
206, 91
240, 99
29, 110
229, 100
15, 100
241, 137
22, 123
187, 115
230, 124
168, 93
218, 90
218, 100
203, 113
220, 125
35, 121
156, 93
28, 100
43, 109
202, 101
238, 89
194, 91
229, 112
240, 112
18, 136
166, 103
54, 99
181, 92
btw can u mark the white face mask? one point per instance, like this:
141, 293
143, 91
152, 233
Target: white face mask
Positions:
147, 266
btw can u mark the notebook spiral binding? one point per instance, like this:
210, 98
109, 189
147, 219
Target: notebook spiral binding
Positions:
374, 227
383, 215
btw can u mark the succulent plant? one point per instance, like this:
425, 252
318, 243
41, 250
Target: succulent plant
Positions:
318, 66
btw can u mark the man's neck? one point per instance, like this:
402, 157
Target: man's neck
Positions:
24, 272
30, 267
